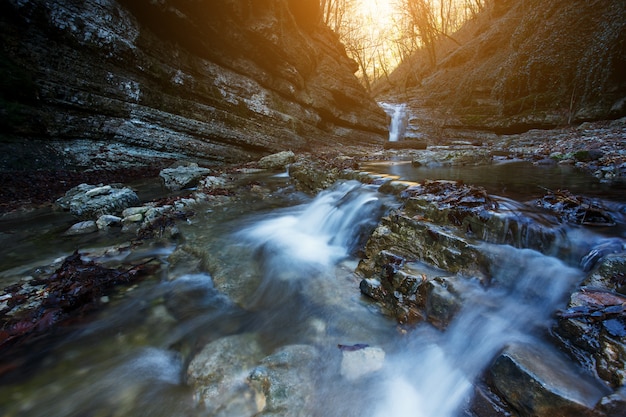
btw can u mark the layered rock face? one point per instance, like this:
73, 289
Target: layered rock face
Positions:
527, 64
110, 84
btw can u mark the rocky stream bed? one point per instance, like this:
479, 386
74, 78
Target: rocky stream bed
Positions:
436, 250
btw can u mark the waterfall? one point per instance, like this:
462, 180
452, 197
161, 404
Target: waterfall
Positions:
398, 125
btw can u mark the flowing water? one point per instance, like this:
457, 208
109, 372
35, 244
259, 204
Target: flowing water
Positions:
282, 268
398, 120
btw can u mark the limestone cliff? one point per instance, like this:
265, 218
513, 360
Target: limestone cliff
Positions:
108, 84
526, 64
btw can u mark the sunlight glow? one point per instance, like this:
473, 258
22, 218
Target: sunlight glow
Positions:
378, 22
378, 13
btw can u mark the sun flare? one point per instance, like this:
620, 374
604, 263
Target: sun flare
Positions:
377, 13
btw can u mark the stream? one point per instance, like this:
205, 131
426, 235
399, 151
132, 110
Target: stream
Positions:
280, 270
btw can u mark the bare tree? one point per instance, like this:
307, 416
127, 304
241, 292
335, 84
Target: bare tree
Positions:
335, 12
419, 24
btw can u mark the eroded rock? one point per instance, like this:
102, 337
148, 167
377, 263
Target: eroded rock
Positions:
183, 176
90, 202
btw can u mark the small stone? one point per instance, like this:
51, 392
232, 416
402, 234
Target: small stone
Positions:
107, 220
131, 211
82, 228
133, 218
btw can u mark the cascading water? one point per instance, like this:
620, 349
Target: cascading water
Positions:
286, 277
306, 240
398, 125
434, 374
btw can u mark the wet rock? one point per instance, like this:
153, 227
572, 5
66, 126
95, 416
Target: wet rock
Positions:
278, 160
441, 304
461, 157
107, 220
82, 228
485, 403
361, 361
415, 239
312, 177
90, 202
593, 326
614, 405
537, 383
576, 209
285, 381
183, 176
610, 272
218, 376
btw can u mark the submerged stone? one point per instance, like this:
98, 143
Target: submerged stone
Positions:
218, 375
284, 381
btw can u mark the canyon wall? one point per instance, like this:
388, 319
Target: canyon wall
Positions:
104, 84
524, 64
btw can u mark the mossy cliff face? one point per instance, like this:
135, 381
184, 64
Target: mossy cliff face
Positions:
107, 84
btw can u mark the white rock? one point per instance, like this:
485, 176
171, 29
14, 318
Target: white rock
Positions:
94, 192
360, 362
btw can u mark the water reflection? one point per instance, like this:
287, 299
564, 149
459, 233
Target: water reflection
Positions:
518, 180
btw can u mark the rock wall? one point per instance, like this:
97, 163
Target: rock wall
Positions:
527, 64
109, 84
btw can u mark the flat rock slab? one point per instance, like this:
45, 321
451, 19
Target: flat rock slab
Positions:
538, 383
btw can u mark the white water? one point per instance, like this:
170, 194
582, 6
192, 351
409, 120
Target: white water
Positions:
398, 115
434, 375
319, 234
431, 374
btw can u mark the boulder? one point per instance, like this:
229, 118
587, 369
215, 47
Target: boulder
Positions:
277, 161
89, 201
218, 376
184, 176
285, 381
107, 220
538, 383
